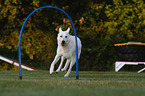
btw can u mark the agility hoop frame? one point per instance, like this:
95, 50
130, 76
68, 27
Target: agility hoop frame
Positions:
19, 46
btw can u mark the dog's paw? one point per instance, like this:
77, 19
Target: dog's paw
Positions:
63, 70
58, 70
51, 71
66, 75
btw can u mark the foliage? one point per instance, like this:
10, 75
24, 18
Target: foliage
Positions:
126, 20
4, 66
99, 24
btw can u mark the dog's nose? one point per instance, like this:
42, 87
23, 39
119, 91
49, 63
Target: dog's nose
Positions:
63, 42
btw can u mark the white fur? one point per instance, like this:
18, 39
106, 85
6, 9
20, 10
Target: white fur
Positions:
66, 50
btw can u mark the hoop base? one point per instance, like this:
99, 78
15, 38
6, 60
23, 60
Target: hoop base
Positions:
20, 77
77, 77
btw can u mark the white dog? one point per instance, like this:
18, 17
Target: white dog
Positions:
66, 50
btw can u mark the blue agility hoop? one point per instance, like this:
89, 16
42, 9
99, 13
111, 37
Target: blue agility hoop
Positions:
19, 47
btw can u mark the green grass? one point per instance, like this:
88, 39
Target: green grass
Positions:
40, 83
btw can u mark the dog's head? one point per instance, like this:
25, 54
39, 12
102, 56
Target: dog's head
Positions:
63, 37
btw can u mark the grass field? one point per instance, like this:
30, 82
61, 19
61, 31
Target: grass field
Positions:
40, 83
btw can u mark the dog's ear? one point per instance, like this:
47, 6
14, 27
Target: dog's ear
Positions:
60, 30
68, 29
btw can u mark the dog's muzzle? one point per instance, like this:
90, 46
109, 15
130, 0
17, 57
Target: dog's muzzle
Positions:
63, 43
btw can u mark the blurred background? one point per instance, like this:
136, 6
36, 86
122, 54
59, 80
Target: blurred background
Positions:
99, 24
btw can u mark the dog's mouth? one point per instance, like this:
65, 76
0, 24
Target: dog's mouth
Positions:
62, 44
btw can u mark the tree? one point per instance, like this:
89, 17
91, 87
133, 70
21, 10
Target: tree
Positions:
99, 24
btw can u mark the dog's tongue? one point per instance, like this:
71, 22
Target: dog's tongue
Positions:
62, 44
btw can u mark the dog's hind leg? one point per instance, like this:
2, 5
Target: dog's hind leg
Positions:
53, 63
73, 60
62, 59
66, 65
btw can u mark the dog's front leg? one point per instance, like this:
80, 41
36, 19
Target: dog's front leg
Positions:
53, 63
66, 65
62, 59
73, 60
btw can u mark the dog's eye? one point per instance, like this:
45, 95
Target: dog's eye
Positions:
60, 36
65, 36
